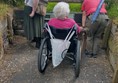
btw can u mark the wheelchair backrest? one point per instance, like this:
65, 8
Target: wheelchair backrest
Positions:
59, 33
62, 33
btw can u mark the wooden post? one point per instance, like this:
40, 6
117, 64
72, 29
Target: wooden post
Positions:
115, 77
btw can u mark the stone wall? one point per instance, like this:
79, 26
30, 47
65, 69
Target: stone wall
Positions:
3, 36
6, 33
113, 45
110, 43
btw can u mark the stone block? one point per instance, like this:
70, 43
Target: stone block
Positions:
9, 27
113, 46
3, 37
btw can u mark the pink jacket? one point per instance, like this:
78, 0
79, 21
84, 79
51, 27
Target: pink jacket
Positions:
66, 23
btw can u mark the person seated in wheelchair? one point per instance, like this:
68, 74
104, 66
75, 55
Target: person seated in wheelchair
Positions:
61, 21
60, 36
61, 25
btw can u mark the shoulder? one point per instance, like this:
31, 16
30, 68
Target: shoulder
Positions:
52, 21
71, 20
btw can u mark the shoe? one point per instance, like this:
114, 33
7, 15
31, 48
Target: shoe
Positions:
33, 40
38, 42
37, 45
89, 56
88, 53
94, 55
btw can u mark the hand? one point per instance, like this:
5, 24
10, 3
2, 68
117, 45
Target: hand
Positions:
81, 28
32, 14
84, 29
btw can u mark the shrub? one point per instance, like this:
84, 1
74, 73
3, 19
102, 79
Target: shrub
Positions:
113, 10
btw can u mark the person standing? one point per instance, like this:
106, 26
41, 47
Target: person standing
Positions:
33, 22
95, 29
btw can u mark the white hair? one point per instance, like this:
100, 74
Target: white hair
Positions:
61, 10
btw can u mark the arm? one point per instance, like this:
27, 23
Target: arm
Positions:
83, 18
35, 4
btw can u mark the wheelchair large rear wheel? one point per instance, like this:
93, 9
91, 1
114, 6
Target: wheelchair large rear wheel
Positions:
43, 55
77, 59
83, 43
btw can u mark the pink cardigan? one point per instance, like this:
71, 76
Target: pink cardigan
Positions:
66, 23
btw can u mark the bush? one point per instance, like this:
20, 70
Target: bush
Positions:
12, 2
113, 11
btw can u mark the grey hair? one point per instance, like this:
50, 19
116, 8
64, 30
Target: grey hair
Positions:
61, 10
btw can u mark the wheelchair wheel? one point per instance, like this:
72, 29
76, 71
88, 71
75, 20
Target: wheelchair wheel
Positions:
83, 43
43, 55
77, 59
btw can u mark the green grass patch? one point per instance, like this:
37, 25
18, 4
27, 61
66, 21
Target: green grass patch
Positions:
74, 7
4, 8
113, 12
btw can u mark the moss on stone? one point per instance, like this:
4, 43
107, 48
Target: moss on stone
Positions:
4, 8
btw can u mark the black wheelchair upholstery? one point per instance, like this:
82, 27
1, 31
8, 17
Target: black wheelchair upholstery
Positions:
62, 33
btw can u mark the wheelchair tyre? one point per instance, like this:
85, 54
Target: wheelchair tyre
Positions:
83, 44
77, 59
43, 55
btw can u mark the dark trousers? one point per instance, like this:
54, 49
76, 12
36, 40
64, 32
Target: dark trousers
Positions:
95, 31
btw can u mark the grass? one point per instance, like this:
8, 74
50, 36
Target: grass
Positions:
4, 8
74, 7
113, 11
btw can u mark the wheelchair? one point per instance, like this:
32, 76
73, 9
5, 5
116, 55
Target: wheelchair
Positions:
45, 49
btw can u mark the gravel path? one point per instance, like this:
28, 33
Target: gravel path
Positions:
20, 66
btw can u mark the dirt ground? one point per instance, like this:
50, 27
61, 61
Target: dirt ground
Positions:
19, 65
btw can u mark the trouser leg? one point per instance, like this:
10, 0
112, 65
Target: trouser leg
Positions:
96, 45
89, 46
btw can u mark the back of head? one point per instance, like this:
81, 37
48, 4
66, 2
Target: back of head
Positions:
61, 10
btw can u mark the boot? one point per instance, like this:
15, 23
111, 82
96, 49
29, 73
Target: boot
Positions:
38, 42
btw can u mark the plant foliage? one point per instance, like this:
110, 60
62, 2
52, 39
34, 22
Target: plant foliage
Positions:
74, 7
